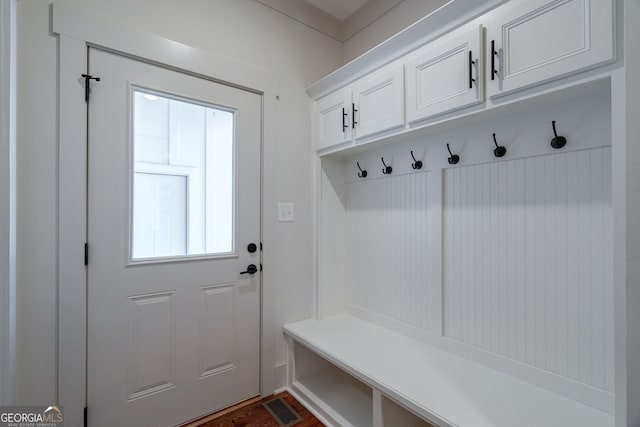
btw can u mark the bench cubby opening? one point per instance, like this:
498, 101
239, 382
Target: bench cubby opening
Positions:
334, 393
394, 415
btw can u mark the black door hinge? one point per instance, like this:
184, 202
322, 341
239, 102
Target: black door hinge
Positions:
87, 87
260, 266
86, 254
85, 416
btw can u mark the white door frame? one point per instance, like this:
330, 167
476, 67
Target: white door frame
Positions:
77, 30
8, 202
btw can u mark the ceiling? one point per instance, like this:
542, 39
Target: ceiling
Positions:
338, 19
340, 9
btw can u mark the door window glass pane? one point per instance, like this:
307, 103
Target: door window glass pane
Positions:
160, 215
183, 178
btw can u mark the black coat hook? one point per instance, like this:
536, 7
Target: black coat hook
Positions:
417, 164
500, 150
454, 159
387, 169
362, 173
558, 141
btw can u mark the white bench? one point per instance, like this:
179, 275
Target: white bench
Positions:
350, 372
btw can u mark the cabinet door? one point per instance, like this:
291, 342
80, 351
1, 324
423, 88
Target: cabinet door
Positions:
445, 75
539, 40
378, 102
332, 119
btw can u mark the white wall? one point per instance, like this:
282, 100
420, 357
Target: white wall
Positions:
368, 13
7, 199
395, 20
244, 32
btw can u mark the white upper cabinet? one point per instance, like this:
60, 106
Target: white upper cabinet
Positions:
371, 105
378, 102
333, 119
532, 41
445, 75
520, 44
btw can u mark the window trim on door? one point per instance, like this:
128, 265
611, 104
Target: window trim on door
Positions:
130, 260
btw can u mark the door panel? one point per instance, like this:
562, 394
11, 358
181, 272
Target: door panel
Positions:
539, 40
151, 346
172, 334
445, 75
332, 119
379, 102
219, 327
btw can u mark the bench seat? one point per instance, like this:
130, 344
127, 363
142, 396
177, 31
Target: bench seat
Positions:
440, 387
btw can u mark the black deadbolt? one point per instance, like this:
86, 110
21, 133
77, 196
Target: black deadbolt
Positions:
252, 248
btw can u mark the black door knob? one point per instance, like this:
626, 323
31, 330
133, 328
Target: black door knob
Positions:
251, 269
252, 248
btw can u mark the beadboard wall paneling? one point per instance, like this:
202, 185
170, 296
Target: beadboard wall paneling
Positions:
387, 248
332, 249
528, 261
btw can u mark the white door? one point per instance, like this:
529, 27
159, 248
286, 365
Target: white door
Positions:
174, 202
537, 40
332, 119
378, 102
445, 75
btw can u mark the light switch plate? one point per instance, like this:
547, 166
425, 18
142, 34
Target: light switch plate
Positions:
286, 212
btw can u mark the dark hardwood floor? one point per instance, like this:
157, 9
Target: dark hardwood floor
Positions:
254, 414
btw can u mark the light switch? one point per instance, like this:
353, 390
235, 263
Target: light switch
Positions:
286, 212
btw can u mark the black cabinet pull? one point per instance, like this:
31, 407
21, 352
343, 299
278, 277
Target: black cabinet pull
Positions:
353, 115
493, 60
471, 62
344, 124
